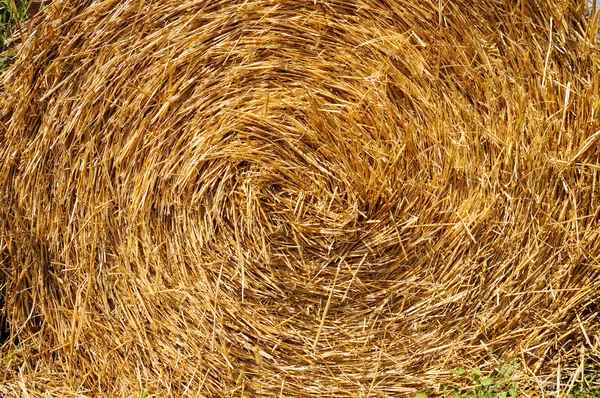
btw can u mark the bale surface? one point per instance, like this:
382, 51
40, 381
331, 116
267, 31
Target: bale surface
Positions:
298, 198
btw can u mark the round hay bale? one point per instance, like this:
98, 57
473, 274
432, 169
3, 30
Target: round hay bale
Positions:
298, 198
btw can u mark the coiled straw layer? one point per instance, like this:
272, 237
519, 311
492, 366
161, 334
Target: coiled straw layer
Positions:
298, 198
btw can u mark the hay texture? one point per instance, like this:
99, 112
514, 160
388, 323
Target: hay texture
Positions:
298, 198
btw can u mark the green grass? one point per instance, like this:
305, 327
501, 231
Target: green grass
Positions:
589, 387
12, 13
498, 385
501, 385
474, 384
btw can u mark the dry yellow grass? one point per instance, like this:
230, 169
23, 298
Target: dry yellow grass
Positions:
298, 198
